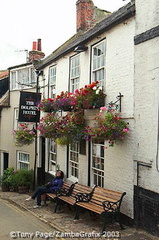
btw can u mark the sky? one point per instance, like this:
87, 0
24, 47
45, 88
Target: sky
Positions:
53, 21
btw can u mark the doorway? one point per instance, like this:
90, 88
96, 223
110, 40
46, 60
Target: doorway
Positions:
4, 162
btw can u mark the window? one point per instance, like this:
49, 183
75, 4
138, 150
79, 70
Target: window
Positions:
52, 155
98, 163
73, 159
75, 73
22, 78
52, 81
98, 64
23, 160
13, 82
16, 114
32, 76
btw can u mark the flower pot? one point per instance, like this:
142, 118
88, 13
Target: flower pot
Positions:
66, 108
11, 189
22, 189
100, 102
5, 188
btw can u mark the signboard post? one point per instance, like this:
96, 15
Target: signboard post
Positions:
29, 112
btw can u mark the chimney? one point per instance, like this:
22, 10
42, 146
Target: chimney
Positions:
87, 15
36, 53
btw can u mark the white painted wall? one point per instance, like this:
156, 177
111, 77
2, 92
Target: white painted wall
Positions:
147, 97
146, 15
119, 78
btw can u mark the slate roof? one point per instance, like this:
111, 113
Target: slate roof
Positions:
82, 38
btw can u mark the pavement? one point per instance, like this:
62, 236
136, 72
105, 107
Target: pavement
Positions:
87, 227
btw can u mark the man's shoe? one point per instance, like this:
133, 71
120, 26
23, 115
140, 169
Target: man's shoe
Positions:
37, 206
28, 199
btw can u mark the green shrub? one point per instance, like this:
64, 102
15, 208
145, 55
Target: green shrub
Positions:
7, 177
23, 177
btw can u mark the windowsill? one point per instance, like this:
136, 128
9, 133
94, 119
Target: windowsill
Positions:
52, 173
72, 179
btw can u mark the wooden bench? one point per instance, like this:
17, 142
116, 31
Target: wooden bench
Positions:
70, 198
102, 201
65, 190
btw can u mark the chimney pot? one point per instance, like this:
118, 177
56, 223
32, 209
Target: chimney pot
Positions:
39, 44
34, 46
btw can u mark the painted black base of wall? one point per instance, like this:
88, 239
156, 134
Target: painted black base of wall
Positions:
146, 210
127, 220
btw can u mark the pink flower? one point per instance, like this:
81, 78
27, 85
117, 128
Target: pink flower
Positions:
126, 130
103, 108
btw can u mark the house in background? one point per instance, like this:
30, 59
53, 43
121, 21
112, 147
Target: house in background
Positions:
20, 78
4, 103
4, 88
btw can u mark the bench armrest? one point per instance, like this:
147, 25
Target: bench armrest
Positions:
111, 206
83, 197
65, 192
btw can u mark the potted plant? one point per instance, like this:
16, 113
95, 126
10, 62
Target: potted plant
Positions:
48, 105
108, 126
66, 101
6, 179
64, 130
23, 180
48, 125
23, 135
70, 128
90, 96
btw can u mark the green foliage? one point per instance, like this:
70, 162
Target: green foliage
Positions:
109, 126
23, 136
7, 177
23, 177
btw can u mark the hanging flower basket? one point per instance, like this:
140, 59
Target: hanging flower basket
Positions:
65, 129
48, 125
108, 126
71, 128
48, 105
23, 136
66, 101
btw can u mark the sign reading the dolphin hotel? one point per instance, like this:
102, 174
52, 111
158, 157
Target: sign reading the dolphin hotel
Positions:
28, 109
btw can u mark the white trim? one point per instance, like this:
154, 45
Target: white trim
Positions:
2, 163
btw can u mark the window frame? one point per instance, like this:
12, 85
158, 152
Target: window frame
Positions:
74, 72
74, 165
52, 84
19, 162
17, 82
100, 61
98, 170
54, 153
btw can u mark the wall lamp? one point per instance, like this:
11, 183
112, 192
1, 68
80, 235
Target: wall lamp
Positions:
80, 48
